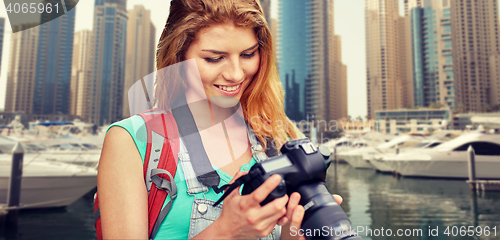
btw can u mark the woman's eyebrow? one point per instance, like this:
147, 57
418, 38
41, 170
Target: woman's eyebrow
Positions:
221, 53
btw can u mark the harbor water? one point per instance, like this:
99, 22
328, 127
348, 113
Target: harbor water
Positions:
377, 204
416, 208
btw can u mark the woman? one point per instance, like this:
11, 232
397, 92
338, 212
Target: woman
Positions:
229, 43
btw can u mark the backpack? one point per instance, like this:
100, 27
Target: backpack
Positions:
160, 165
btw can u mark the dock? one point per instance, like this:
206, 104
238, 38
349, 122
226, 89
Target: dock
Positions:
476, 184
485, 185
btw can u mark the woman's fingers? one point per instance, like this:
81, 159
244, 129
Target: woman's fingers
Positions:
292, 203
295, 222
237, 175
338, 198
273, 211
261, 193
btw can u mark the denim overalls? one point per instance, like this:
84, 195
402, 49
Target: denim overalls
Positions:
203, 213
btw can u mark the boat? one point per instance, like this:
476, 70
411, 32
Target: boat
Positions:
355, 142
381, 166
48, 184
450, 159
356, 157
45, 183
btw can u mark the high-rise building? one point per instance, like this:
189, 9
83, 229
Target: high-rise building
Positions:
338, 82
308, 59
141, 46
2, 30
107, 62
53, 63
475, 37
275, 33
386, 64
266, 6
495, 80
432, 58
39, 73
80, 73
22, 70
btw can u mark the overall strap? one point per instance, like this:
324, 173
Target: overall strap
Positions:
257, 152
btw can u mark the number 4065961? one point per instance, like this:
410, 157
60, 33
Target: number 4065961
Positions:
32, 8
470, 231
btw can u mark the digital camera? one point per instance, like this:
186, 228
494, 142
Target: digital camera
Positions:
303, 169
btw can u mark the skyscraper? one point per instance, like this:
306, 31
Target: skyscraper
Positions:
266, 6
80, 73
475, 38
2, 30
22, 71
53, 63
107, 62
432, 58
338, 82
141, 46
385, 56
39, 73
307, 58
275, 33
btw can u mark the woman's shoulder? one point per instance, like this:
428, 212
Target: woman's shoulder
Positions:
133, 126
130, 123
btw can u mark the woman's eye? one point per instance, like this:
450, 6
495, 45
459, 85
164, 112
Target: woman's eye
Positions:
248, 55
213, 60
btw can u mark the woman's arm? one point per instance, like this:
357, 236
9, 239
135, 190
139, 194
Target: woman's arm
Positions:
120, 185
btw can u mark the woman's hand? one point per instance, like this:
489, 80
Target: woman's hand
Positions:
294, 216
242, 216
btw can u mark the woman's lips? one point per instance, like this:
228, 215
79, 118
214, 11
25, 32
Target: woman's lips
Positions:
229, 90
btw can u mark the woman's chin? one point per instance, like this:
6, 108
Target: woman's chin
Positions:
224, 101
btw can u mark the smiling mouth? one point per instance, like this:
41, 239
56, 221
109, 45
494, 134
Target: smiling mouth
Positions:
229, 88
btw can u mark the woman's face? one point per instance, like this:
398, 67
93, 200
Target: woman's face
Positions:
227, 58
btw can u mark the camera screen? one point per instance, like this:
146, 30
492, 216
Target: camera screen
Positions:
270, 166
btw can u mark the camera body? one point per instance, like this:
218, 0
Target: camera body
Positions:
300, 162
303, 167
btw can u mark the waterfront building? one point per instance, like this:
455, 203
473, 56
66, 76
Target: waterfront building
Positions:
53, 63
469, 121
266, 6
22, 70
275, 33
2, 32
80, 74
412, 120
39, 75
475, 38
386, 56
141, 45
308, 59
494, 80
107, 62
432, 59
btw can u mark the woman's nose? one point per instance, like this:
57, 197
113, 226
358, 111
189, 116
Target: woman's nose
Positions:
234, 72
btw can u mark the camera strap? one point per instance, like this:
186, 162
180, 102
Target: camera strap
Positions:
192, 139
230, 187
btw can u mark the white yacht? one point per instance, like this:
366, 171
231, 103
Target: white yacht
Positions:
45, 183
377, 160
450, 159
356, 157
48, 184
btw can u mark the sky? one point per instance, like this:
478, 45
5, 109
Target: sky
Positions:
349, 24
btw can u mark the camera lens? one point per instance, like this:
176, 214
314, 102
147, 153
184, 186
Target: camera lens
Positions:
324, 218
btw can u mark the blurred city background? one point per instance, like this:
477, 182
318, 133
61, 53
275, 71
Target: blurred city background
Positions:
408, 65
403, 87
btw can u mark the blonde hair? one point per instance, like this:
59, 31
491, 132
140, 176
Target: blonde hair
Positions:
262, 101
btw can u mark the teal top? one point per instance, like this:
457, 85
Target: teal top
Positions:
176, 223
